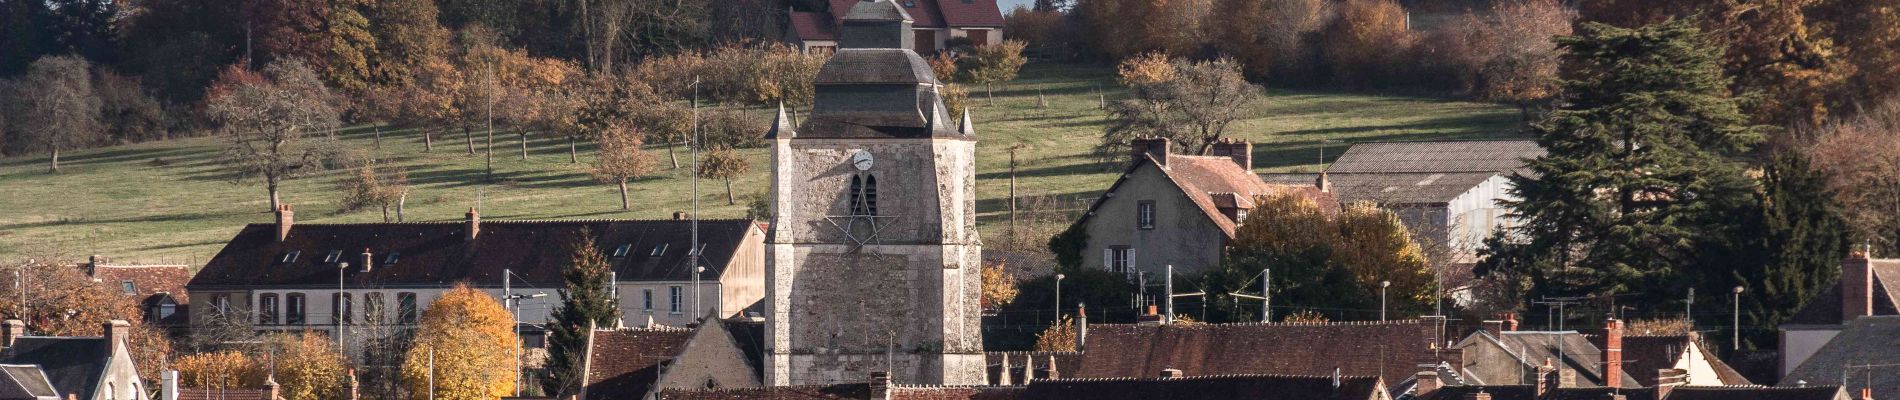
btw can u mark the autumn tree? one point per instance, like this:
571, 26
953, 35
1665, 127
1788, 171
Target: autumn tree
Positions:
619, 160
1366, 41
407, 37
1320, 261
1378, 249
1190, 102
944, 66
1269, 38
465, 348
786, 75
308, 366
218, 370
57, 107
1523, 69
61, 300
999, 286
586, 303
724, 164
994, 64
265, 119
1059, 336
1859, 158
370, 185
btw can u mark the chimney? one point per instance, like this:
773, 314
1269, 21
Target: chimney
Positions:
1510, 322
115, 333
1566, 378
474, 224
1427, 383
1322, 183
880, 386
1081, 326
92, 265
367, 259
284, 219
1170, 373
1480, 395
1494, 327
1240, 151
271, 391
1613, 353
1857, 287
1002, 378
1667, 379
1866, 394
1157, 147
12, 331
353, 385
1151, 317
1052, 373
681, 216
1542, 380
168, 385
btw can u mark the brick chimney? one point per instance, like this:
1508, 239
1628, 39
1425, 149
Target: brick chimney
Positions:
1480, 395
681, 216
1857, 287
1613, 353
284, 219
92, 265
1427, 383
1081, 326
1566, 378
1667, 379
10, 331
1240, 151
368, 259
1157, 147
115, 333
1494, 327
1866, 394
474, 220
1543, 382
271, 390
880, 386
353, 385
1151, 317
1510, 322
1170, 373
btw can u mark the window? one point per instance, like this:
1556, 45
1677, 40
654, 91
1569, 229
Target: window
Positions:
864, 195
647, 294
341, 308
166, 309
1240, 217
129, 287
1145, 214
622, 250
333, 256
221, 302
293, 309
373, 308
267, 309
406, 307
675, 307
392, 257
1119, 259
289, 257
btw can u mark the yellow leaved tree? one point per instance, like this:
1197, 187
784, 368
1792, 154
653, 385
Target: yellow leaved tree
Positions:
308, 367
469, 337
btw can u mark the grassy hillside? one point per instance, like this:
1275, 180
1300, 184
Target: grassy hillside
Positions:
171, 202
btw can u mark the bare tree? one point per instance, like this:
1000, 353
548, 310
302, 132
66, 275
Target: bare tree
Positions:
1191, 102
265, 119
57, 106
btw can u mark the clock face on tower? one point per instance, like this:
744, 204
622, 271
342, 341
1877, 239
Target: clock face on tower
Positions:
861, 160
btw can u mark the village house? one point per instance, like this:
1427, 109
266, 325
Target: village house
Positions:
639, 362
1500, 354
1177, 210
158, 288
375, 278
1866, 287
936, 25
68, 367
1861, 356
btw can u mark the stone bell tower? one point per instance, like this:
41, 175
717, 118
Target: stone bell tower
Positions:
874, 255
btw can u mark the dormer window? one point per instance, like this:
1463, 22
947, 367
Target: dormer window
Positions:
289, 257
910, 3
621, 252
129, 287
332, 256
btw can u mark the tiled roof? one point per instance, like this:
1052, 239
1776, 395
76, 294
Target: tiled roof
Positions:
1391, 350
805, 392
1438, 156
625, 363
874, 10
1528, 392
1245, 386
435, 254
1865, 341
147, 280
1824, 308
73, 364
971, 13
1530, 348
1067, 362
750, 336
25, 382
1203, 179
1755, 393
1289, 178
872, 66
1405, 188
813, 26
923, 13
1645, 355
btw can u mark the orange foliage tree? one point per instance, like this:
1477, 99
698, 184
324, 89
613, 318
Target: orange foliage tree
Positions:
1367, 41
471, 340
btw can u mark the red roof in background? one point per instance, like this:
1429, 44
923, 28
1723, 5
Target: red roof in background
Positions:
924, 13
625, 363
813, 26
983, 13
1391, 350
147, 280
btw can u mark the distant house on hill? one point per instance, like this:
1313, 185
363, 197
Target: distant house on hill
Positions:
286, 276
934, 24
1174, 209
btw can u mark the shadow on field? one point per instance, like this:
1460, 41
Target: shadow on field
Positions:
150, 218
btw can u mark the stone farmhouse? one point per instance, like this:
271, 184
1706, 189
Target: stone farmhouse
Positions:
1174, 209
374, 279
935, 24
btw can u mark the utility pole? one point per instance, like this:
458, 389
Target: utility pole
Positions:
1737, 339
431, 372
1171, 295
1382, 290
1059, 295
1266, 301
696, 271
692, 254
342, 303
512, 302
1688, 307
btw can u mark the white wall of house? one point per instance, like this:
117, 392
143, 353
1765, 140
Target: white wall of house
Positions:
1474, 215
1800, 342
991, 35
1701, 371
634, 309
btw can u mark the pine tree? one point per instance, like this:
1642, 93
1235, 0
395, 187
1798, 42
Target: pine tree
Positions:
587, 301
1794, 251
1644, 163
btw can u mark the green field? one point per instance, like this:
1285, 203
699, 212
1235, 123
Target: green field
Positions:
171, 202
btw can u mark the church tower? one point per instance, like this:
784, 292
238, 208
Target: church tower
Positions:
874, 255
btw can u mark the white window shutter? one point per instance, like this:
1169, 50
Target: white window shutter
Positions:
1108, 259
1131, 262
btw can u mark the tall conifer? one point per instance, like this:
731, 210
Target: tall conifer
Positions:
586, 300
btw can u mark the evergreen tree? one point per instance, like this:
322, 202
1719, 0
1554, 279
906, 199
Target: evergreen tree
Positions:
586, 301
1644, 164
1795, 243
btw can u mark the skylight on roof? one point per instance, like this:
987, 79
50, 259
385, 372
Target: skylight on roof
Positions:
392, 257
290, 256
332, 256
622, 250
659, 250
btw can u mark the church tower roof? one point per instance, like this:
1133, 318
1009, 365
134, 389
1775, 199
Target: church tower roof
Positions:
875, 86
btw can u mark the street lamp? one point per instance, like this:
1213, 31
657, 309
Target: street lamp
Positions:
696, 272
1737, 340
1382, 286
1059, 295
513, 303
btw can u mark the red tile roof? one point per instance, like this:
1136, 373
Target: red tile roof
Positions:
147, 280
1390, 350
1211, 387
814, 392
1206, 180
813, 26
923, 13
223, 394
625, 363
928, 14
972, 13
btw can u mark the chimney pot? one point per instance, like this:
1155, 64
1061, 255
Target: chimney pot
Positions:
1240, 151
1857, 288
1427, 383
1510, 322
367, 259
1495, 328
681, 216
1170, 373
1156, 147
1566, 378
11, 330
1081, 326
285, 218
474, 220
1613, 353
1542, 379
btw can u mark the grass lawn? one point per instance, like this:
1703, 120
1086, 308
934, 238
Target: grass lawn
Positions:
170, 201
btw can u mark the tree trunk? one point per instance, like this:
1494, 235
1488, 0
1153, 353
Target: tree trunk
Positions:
729, 199
55, 161
671, 155
573, 156
990, 91
385, 212
468, 136
428, 139
404, 198
270, 185
524, 144
379, 137
488, 159
624, 205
